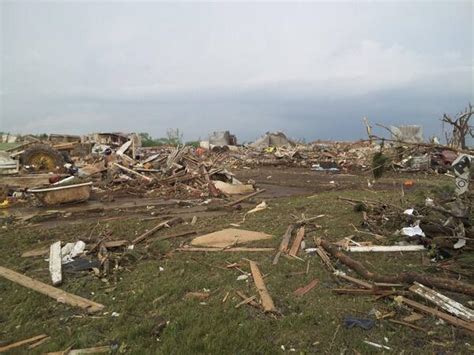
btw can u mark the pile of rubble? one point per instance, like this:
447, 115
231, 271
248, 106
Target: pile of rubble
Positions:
109, 164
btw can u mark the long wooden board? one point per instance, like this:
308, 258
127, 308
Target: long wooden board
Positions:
53, 292
267, 302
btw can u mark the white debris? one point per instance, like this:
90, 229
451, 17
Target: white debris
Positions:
413, 231
460, 243
72, 250
242, 277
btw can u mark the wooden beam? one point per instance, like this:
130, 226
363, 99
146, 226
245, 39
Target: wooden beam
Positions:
386, 248
53, 292
285, 241
443, 302
297, 242
166, 224
133, 172
354, 280
55, 263
236, 249
305, 289
267, 302
22, 342
233, 203
469, 326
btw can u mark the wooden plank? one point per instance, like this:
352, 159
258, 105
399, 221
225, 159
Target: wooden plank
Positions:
35, 253
267, 302
38, 343
233, 203
325, 258
133, 172
362, 291
55, 263
469, 326
53, 292
386, 248
95, 350
407, 324
244, 297
443, 302
236, 249
22, 342
285, 241
162, 225
245, 301
354, 280
297, 242
305, 289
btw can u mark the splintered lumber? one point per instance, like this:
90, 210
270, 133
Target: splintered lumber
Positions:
295, 247
443, 302
285, 241
406, 324
166, 224
38, 343
144, 177
404, 277
22, 342
55, 263
53, 292
325, 258
95, 350
236, 249
434, 312
362, 291
354, 280
242, 199
305, 289
385, 248
245, 301
267, 302
253, 303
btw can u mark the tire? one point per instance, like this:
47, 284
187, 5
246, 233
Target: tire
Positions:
43, 158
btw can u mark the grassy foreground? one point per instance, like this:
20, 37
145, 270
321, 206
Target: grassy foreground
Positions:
138, 295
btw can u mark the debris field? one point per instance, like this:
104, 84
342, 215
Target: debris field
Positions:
273, 246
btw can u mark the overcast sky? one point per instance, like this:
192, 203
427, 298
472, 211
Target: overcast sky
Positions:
312, 70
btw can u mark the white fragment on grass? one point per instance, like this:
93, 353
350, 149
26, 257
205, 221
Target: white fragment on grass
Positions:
242, 277
380, 346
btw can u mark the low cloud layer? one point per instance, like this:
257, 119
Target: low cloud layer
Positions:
310, 69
